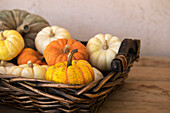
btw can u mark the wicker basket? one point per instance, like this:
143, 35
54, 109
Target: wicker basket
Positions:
45, 96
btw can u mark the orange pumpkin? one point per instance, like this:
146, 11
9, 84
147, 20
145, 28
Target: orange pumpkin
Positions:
71, 72
58, 50
29, 54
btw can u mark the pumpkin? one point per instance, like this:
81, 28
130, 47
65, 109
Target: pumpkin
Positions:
97, 74
30, 54
71, 72
102, 50
29, 70
11, 44
28, 25
48, 34
4, 66
58, 50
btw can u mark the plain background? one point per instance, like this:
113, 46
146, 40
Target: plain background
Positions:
147, 20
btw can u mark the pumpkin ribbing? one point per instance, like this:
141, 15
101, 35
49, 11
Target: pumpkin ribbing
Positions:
28, 25
57, 51
29, 54
11, 44
102, 50
71, 72
48, 34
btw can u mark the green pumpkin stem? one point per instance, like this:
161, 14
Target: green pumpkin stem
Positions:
66, 49
70, 55
2, 36
105, 46
23, 29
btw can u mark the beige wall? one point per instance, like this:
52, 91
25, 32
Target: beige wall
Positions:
148, 20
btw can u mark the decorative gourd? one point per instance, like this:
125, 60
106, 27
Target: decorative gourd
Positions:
30, 54
48, 34
71, 72
4, 66
102, 50
97, 74
29, 70
11, 44
28, 25
58, 50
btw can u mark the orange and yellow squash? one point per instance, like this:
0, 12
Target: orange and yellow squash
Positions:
58, 50
71, 72
48, 34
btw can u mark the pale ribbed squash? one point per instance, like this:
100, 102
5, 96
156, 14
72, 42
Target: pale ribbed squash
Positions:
48, 34
4, 66
29, 70
102, 50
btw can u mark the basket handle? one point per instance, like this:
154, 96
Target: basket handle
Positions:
127, 54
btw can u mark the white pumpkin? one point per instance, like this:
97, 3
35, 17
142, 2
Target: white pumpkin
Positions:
48, 34
29, 70
102, 50
97, 74
4, 66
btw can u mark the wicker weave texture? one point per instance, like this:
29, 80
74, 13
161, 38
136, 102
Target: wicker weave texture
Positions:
45, 96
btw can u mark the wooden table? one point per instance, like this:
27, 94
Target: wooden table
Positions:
147, 90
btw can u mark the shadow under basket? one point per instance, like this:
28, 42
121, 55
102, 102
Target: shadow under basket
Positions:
45, 96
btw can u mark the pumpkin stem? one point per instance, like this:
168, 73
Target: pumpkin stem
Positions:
70, 55
51, 33
2, 63
30, 64
105, 46
41, 58
2, 36
66, 48
23, 29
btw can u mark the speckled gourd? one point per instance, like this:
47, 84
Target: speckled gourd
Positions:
71, 72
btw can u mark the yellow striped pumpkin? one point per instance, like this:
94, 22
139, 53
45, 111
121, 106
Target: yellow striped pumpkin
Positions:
71, 72
11, 44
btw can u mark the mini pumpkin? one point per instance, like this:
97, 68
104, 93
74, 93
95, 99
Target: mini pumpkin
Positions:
71, 72
48, 34
32, 55
29, 70
28, 25
11, 44
97, 74
102, 50
4, 66
57, 51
